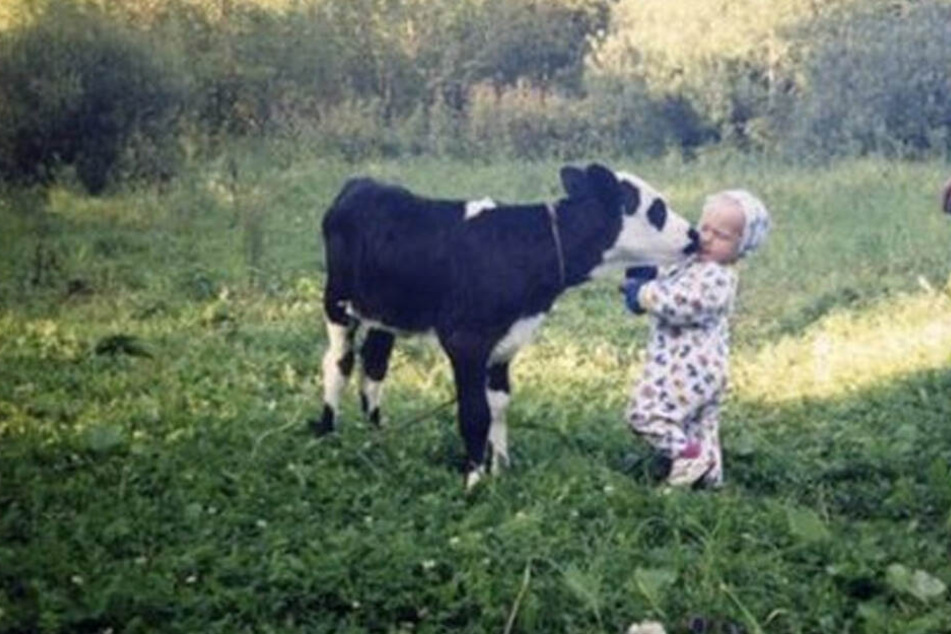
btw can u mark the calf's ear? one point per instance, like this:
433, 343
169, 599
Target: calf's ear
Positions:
575, 182
603, 186
604, 183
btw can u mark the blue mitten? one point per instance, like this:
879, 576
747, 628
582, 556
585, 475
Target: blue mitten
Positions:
636, 276
645, 273
631, 289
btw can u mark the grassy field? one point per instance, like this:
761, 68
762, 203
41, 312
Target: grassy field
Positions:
159, 353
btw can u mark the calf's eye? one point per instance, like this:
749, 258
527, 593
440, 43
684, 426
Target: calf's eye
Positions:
657, 214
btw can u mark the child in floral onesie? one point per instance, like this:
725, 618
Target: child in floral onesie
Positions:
676, 403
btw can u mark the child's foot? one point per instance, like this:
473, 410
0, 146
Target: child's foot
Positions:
712, 479
689, 466
658, 468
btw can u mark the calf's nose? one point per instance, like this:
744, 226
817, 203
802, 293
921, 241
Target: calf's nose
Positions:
694, 245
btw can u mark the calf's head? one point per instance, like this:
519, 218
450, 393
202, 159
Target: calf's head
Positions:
648, 231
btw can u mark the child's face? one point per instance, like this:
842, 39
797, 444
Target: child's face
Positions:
721, 227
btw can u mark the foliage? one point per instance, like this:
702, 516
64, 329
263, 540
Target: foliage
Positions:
886, 83
729, 64
543, 43
475, 79
178, 490
808, 79
77, 90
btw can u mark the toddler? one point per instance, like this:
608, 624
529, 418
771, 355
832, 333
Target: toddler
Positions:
675, 405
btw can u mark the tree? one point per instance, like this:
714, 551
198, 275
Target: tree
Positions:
75, 90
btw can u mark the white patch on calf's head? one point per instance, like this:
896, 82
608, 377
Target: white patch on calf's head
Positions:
476, 207
641, 242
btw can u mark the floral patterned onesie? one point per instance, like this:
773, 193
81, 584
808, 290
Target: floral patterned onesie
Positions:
677, 398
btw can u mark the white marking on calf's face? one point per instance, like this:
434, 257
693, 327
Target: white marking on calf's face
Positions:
476, 207
520, 333
640, 242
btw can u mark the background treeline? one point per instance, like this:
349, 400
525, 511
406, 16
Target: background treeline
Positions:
134, 89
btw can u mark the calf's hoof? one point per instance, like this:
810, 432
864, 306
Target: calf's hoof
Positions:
323, 425
372, 415
499, 461
375, 419
473, 476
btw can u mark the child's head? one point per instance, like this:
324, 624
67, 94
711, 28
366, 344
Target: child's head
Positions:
733, 224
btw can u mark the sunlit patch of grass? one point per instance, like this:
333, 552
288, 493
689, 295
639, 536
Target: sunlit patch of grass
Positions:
844, 353
76, 208
848, 351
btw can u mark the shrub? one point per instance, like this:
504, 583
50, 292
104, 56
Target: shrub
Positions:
530, 123
76, 90
626, 120
356, 130
878, 82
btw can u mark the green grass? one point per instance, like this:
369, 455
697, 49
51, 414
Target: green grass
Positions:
155, 474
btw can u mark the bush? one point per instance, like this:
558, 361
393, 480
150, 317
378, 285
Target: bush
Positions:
355, 130
627, 121
878, 83
77, 90
529, 123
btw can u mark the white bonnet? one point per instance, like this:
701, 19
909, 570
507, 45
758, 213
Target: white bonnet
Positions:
757, 219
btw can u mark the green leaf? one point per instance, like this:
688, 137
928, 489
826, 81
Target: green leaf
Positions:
806, 525
744, 444
584, 586
104, 438
918, 584
926, 586
653, 582
874, 615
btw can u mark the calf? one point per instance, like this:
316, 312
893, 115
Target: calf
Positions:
479, 276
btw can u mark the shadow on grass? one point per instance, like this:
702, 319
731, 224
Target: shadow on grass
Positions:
881, 452
878, 453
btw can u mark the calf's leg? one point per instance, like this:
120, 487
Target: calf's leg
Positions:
375, 359
337, 367
498, 395
469, 371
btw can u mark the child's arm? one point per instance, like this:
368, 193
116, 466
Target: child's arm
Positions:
690, 299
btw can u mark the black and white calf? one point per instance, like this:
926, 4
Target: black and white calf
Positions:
479, 276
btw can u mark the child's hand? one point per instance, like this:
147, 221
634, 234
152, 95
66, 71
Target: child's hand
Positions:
636, 276
631, 289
